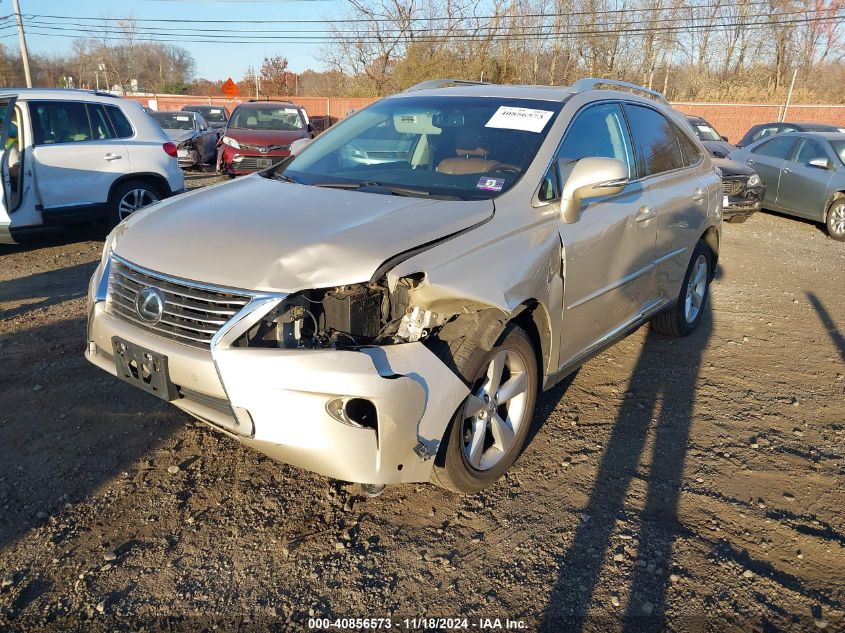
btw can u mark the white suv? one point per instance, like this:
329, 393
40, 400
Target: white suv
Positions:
71, 156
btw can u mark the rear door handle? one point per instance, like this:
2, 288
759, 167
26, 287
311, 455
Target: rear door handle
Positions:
698, 196
750, 161
645, 213
111, 156
787, 170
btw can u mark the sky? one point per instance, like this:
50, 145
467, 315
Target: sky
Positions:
213, 60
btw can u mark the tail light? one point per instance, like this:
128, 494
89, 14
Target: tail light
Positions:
169, 149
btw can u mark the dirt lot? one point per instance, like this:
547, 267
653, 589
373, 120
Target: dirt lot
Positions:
689, 484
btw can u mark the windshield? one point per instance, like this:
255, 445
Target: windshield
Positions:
173, 120
268, 118
209, 113
465, 147
706, 132
839, 150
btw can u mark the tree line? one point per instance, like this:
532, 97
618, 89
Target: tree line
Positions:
691, 49
696, 50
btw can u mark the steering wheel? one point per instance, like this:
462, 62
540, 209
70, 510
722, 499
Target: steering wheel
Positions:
504, 168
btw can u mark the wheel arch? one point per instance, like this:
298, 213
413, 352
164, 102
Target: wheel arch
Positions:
711, 238
533, 318
836, 195
156, 180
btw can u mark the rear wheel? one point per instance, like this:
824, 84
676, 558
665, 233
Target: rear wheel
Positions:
129, 197
489, 429
684, 316
836, 220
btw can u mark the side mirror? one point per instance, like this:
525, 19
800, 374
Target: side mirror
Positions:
310, 128
590, 178
298, 145
725, 138
203, 128
821, 163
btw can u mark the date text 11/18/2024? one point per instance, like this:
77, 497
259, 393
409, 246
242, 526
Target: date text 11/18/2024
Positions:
417, 624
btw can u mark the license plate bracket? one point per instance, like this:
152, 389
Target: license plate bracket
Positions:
263, 163
143, 368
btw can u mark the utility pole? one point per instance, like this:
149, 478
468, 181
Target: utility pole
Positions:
789, 95
22, 37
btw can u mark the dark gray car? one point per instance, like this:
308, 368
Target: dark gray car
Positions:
804, 174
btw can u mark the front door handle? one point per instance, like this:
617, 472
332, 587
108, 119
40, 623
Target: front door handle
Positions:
645, 213
698, 196
111, 156
750, 161
787, 170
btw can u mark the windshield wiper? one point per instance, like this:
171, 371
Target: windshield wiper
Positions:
396, 191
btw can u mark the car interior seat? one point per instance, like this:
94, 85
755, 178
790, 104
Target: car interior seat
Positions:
471, 155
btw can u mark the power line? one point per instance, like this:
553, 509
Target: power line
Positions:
419, 19
524, 36
235, 33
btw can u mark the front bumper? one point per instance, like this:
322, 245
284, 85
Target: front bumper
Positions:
238, 162
744, 204
275, 400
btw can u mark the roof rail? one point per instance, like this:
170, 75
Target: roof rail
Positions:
444, 83
591, 83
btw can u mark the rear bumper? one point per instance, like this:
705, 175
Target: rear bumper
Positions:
275, 400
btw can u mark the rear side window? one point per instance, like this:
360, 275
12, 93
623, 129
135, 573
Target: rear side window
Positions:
598, 131
101, 126
59, 122
778, 147
655, 139
810, 150
121, 125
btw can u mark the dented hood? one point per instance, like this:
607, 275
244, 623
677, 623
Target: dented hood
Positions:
274, 236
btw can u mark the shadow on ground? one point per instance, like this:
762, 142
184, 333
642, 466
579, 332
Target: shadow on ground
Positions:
660, 406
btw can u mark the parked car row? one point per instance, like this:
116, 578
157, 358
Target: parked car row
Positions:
794, 168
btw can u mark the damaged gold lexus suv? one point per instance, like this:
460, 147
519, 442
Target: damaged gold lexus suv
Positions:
385, 305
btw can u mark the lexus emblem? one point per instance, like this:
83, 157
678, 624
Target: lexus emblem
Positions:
263, 150
149, 304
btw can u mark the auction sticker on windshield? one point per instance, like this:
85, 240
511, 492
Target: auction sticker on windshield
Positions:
490, 184
525, 119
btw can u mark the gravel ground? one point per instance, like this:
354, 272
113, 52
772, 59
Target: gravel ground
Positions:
689, 484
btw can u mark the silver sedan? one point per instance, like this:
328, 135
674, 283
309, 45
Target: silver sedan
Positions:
804, 174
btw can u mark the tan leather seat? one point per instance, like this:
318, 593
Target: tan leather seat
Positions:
465, 165
471, 159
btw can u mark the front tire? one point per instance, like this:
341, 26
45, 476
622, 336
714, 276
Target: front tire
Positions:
489, 429
685, 315
836, 220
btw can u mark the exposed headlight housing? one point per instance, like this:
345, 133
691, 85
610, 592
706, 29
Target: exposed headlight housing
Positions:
753, 181
228, 140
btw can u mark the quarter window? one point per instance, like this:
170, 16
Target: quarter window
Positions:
121, 125
778, 147
655, 140
598, 131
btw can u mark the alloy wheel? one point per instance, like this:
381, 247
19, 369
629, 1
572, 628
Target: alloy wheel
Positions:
696, 289
496, 410
133, 200
836, 222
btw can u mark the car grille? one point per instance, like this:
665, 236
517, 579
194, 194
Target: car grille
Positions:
193, 314
265, 148
250, 163
732, 187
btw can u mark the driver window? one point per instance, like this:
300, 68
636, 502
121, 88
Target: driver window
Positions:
598, 131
